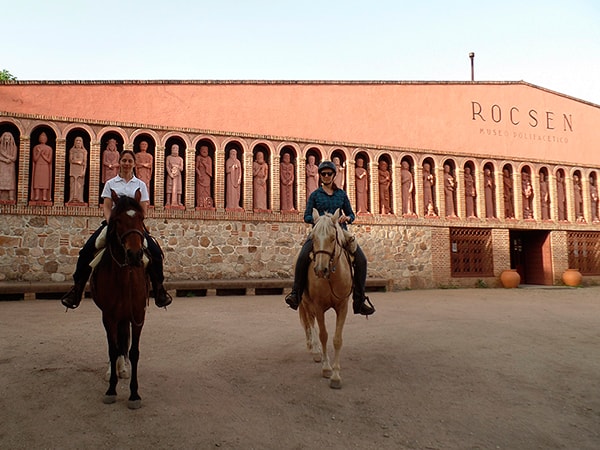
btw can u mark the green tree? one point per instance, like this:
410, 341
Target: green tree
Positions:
5, 75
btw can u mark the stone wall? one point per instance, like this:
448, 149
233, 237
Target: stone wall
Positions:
45, 248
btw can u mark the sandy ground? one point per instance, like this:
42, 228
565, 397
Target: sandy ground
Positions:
435, 369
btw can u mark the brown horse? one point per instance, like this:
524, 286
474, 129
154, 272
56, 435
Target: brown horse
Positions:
119, 288
329, 287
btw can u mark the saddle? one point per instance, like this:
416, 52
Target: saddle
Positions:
100, 245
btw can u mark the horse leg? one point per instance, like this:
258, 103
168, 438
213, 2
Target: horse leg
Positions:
335, 382
135, 401
113, 351
123, 364
312, 341
325, 366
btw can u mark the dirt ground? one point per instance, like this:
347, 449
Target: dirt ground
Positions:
434, 369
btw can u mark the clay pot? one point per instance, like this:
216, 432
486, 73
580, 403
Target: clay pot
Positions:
510, 278
572, 277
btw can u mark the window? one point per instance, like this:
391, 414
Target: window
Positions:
471, 252
584, 251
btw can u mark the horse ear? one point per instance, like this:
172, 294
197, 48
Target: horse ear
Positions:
114, 196
138, 195
315, 215
336, 215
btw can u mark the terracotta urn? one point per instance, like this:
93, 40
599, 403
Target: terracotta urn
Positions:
572, 277
510, 278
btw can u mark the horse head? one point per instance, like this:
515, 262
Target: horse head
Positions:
328, 239
126, 227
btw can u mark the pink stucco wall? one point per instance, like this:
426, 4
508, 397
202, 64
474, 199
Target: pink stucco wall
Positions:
502, 119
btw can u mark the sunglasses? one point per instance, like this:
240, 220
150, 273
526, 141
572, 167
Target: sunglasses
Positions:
327, 174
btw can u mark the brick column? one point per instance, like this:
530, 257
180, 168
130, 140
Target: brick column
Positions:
60, 168
275, 183
439, 191
480, 192
351, 182
459, 192
536, 204
499, 194
553, 192
374, 190
159, 178
219, 178
23, 177
396, 200
301, 183
518, 197
190, 178
247, 181
418, 188
95, 173
570, 199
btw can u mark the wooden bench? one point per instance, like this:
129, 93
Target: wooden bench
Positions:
30, 290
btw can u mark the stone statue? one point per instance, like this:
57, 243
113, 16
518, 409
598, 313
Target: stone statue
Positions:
8, 167
42, 170
406, 182
578, 198
489, 190
175, 167
312, 175
561, 196
233, 171
470, 193
527, 194
260, 173
385, 183
144, 164
544, 197
110, 161
449, 185
286, 175
507, 184
77, 170
362, 187
594, 199
428, 182
204, 173
340, 176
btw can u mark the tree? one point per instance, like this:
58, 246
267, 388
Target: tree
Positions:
5, 75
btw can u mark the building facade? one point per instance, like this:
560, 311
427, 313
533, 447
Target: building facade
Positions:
453, 183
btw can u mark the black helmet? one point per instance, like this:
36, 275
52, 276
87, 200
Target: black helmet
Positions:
327, 165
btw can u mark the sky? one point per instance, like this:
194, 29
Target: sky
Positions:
552, 44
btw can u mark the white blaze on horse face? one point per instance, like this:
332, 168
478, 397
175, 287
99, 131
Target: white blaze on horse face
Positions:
131, 213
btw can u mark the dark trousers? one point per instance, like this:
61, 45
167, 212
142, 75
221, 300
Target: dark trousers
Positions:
87, 253
301, 271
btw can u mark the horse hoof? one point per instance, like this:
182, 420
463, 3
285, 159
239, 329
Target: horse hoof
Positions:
327, 373
109, 399
317, 357
134, 404
335, 384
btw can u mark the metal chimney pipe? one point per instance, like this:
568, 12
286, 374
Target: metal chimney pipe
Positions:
472, 56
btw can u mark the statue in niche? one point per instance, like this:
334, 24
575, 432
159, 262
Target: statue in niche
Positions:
77, 170
507, 183
42, 170
340, 177
286, 175
428, 182
561, 196
8, 167
527, 194
594, 199
110, 161
449, 186
144, 164
544, 197
260, 173
470, 193
174, 165
578, 198
362, 187
204, 173
312, 175
407, 185
385, 183
489, 188
233, 172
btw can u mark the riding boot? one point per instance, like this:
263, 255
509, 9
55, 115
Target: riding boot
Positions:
294, 298
72, 299
162, 298
360, 302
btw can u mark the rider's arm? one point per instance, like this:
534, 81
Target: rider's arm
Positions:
310, 204
107, 205
347, 209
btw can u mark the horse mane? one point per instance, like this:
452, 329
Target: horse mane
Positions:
321, 226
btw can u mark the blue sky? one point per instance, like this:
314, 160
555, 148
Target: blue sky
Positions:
553, 44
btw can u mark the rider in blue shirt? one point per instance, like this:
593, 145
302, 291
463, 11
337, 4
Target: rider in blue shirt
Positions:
327, 199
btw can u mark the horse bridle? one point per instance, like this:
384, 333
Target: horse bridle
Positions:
122, 243
332, 254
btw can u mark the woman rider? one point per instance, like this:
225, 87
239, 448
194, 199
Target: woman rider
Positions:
125, 183
326, 199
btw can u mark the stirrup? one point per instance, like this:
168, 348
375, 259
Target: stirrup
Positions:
162, 298
365, 307
72, 299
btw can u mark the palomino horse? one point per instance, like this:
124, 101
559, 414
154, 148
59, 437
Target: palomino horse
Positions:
120, 289
329, 286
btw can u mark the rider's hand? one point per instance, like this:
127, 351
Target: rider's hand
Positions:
343, 218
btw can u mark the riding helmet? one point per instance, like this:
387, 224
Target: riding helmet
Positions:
328, 165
